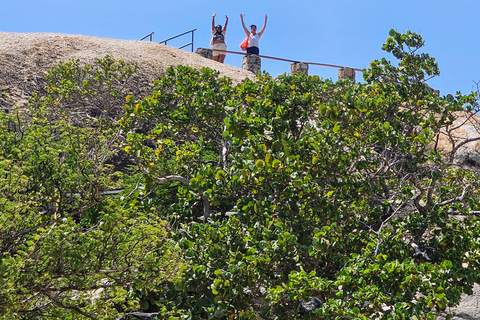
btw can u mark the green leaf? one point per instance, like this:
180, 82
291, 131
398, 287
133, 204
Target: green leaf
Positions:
447, 265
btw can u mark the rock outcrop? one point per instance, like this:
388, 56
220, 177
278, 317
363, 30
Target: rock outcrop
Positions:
463, 139
25, 58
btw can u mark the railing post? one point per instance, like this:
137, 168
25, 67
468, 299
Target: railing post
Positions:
251, 62
181, 34
299, 67
204, 52
346, 73
193, 31
150, 35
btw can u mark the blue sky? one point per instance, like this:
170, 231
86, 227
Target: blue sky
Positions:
339, 32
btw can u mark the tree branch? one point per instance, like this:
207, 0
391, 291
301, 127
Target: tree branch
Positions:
170, 178
185, 181
61, 305
454, 199
382, 225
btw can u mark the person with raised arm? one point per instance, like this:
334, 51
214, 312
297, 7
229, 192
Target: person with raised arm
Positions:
218, 40
253, 36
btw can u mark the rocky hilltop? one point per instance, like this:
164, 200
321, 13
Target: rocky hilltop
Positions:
25, 58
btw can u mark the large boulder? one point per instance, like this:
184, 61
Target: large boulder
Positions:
25, 58
460, 142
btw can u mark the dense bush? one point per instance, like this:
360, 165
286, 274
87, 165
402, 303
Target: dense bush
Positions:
288, 197
319, 189
69, 250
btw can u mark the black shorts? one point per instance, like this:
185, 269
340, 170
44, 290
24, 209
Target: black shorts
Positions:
253, 50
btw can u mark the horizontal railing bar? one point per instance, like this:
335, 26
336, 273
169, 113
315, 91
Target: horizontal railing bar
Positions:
191, 43
178, 35
147, 35
288, 60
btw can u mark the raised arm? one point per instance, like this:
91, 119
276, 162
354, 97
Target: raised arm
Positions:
243, 25
226, 22
264, 25
213, 21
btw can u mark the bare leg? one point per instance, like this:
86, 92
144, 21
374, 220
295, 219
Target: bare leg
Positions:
216, 58
221, 58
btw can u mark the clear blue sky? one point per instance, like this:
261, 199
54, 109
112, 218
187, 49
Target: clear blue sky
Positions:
339, 32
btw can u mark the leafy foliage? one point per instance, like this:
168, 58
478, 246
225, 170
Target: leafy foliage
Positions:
335, 191
287, 198
79, 92
68, 250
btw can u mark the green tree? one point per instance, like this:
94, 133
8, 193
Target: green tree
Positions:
69, 250
276, 192
175, 135
335, 190
85, 91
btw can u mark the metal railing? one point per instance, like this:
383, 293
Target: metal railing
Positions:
179, 35
148, 35
288, 60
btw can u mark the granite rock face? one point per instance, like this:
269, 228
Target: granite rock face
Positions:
204, 52
460, 142
25, 58
469, 308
